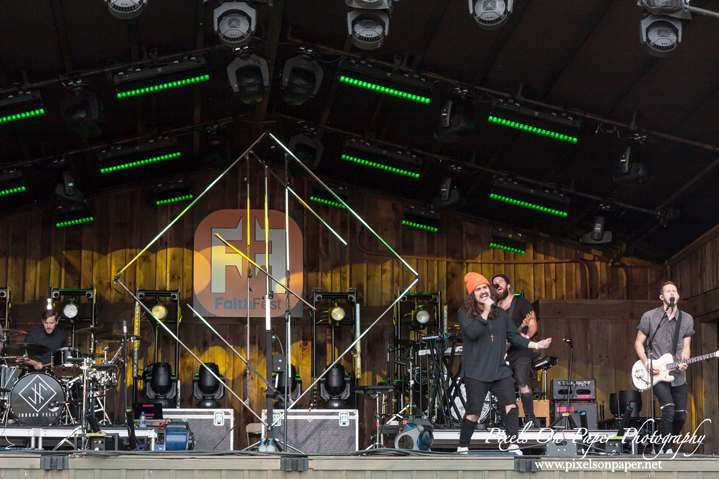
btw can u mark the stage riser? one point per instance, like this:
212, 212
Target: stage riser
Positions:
450, 466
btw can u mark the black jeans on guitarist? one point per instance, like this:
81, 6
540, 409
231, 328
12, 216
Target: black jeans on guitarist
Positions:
673, 403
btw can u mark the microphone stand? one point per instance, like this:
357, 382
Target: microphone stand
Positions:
650, 350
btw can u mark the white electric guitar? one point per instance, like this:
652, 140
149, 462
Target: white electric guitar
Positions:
665, 364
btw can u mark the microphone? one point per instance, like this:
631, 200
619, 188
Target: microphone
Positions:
671, 304
568, 340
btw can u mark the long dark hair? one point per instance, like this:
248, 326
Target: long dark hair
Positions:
472, 307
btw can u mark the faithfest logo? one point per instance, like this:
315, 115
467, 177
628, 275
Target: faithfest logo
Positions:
220, 274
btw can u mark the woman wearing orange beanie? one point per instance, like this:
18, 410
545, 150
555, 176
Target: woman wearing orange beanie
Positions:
485, 329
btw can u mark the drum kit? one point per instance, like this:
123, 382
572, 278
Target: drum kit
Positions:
73, 386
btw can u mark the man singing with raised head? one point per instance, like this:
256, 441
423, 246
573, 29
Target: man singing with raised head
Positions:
485, 329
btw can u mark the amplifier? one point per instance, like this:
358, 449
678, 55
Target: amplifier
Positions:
579, 389
575, 408
211, 428
317, 430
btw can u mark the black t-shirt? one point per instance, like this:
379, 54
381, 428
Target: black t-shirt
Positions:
519, 308
483, 345
54, 341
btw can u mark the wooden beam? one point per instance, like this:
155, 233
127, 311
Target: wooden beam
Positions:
593, 309
704, 307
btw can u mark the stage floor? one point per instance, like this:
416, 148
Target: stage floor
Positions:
381, 464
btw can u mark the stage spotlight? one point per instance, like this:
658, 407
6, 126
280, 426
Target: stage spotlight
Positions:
249, 76
70, 309
159, 311
597, 235
301, 79
629, 170
660, 35
335, 388
295, 386
367, 28
447, 196
12, 182
125, 9
307, 148
336, 313
80, 109
235, 23
160, 384
207, 388
490, 14
456, 119
420, 318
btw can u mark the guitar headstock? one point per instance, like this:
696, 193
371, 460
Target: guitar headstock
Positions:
716, 354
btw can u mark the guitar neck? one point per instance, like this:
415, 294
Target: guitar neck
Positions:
690, 360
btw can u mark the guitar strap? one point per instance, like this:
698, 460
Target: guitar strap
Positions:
510, 311
676, 334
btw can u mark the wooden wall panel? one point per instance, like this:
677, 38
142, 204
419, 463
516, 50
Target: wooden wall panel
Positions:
34, 255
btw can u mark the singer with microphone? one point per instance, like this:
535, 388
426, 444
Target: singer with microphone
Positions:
485, 329
667, 330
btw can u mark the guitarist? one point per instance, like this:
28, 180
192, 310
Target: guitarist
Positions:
674, 330
522, 315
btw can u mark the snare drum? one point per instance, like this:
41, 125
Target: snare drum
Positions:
37, 400
62, 362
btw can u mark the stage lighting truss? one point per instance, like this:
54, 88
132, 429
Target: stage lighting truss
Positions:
73, 215
490, 14
72, 306
151, 80
125, 9
513, 242
5, 300
511, 192
365, 154
421, 312
249, 76
320, 195
158, 300
421, 218
235, 23
20, 107
11, 183
119, 159
369, 77
342, 310
526, 119
301, 79
172, 193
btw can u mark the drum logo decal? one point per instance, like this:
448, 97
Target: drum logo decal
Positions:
37, 393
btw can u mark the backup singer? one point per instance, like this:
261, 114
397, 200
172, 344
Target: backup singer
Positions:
522, 314
664, 321
485, 330
48, 335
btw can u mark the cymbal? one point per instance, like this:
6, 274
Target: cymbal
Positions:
13, 332
93, 330
118, 337
20, 349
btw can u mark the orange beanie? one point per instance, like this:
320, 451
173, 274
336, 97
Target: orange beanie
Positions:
473, 280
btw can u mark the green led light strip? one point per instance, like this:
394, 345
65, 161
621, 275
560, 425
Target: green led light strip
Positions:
11, 191
140, 163
528, 205
172, 200
74, 222
381, 167
21, 116
327, 202
385, 90
513, 250
163, 86
422, 227
532, 129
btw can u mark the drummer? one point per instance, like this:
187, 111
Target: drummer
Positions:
48, 335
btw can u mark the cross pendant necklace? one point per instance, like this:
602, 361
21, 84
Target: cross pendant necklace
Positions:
489, 323
492, 337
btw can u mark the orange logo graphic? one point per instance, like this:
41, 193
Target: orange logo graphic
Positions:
220, 274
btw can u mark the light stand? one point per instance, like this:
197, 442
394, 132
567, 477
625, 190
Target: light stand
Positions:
566, 416
74, 295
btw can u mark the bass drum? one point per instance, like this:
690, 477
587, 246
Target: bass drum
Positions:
461, 399
37, 400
